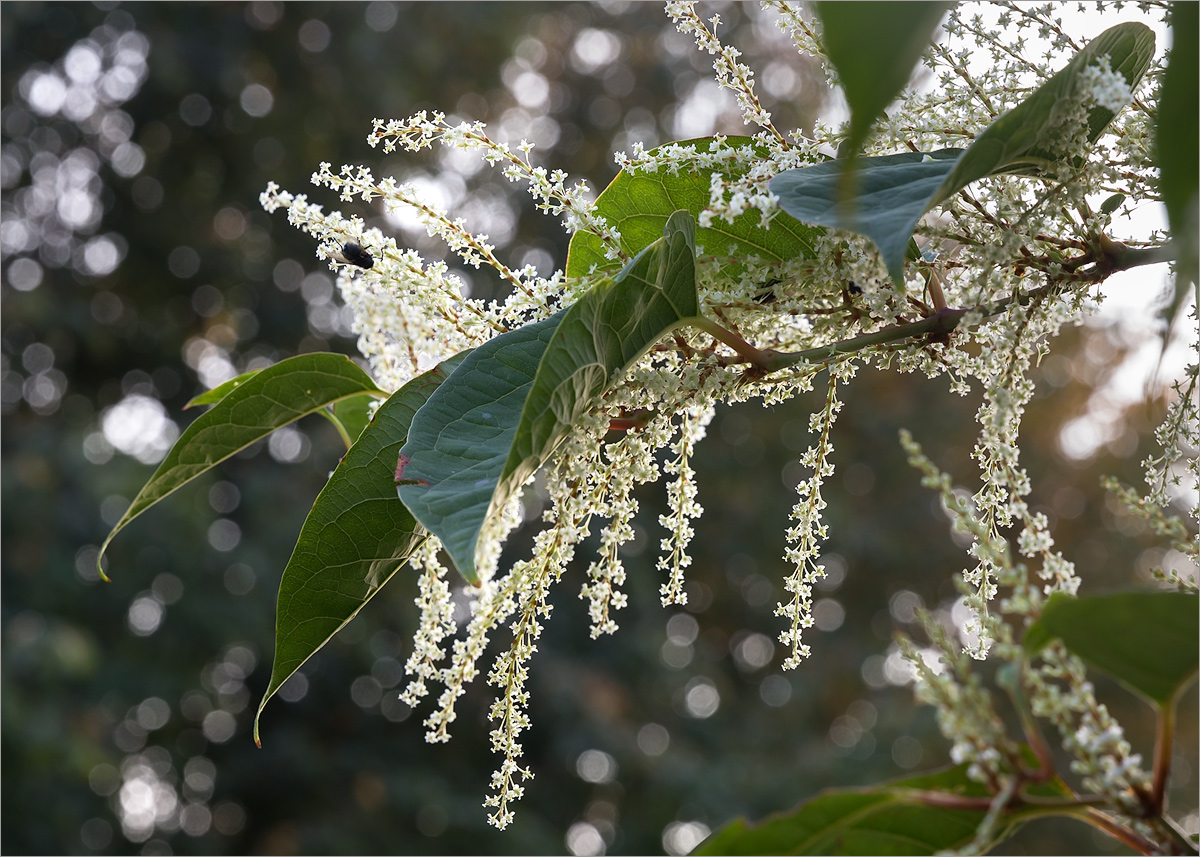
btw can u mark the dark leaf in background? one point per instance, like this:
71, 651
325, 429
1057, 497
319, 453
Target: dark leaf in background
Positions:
1177, 142
874, 47
1100, 630
889, 818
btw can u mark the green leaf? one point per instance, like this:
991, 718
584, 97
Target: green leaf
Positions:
894, 191
891, 194
356, 537
1145, 640
639, 204
1024, 139
513, 400
1177, 140
1112, 203
219, 392
268, 400
874, 47
602, 335
885, 819
450, 466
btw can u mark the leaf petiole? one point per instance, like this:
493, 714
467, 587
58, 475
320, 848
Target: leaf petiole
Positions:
761, 359
328, 414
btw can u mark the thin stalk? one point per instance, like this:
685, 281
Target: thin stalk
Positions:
639, 418
328, 414
1122, 258
947, 800
743, 348
1173, 841
1162, 754
935, 291
1050, 804
1183, 842
1113, 257
1010, 680
1117, 831
940, 323
985, 832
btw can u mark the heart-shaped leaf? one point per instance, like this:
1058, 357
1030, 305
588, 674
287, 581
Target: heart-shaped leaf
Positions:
262, 402
355, 538
508, 406
639, 203
893, 192
1145, 640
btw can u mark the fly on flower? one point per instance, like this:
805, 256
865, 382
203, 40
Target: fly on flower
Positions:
354, 254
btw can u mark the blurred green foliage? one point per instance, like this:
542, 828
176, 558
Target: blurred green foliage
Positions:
134, 697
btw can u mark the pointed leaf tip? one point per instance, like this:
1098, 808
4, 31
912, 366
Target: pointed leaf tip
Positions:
356, 537
263, 402
874, 46
892, 192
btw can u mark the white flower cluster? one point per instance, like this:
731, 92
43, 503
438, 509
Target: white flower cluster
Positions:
965, 711
1002, 246
809, 531
548, 188
409, 315
1055, 689
1098, 84
1169, 475
1061, 693
730, 72
681, 498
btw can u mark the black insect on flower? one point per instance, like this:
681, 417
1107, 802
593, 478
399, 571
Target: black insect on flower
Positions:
354, 254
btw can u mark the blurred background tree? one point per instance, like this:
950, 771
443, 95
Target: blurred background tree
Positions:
138, 271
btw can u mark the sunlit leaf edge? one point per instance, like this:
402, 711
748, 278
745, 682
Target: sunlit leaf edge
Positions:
219, 392
271, 388
642, 223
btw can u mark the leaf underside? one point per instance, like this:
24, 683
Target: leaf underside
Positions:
893, 192
460, 439
356, 537
505, 410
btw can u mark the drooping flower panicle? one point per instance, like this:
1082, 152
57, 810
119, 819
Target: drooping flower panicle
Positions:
411, 313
